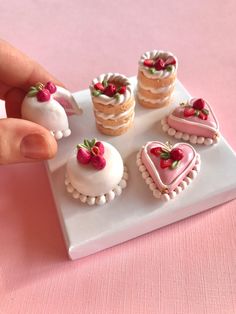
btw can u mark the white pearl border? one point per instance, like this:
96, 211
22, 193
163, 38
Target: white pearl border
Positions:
102, 199
60, 134
193, 139
152, 186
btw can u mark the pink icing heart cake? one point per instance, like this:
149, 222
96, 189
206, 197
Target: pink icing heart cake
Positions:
167, 169
193, 121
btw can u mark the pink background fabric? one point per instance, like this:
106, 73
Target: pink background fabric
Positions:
187, 267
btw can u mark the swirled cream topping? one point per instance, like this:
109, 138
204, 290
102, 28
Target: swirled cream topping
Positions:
153, 55
116, 79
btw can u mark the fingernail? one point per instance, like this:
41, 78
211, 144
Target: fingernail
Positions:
34, 146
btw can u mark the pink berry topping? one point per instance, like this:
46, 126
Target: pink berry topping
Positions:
92, 151
166, 163
51, 87
170, 61
99, 86
148, 63
159, 64
43, 95
98, 162
176, 154
84, 155
189, 111
110, 90
122, 90
101, 147
156, 151
199, 104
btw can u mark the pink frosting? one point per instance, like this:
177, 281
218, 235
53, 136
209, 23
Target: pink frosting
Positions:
193, 124
168, 178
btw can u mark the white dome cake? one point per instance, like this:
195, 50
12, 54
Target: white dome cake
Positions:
49, 105
95, 173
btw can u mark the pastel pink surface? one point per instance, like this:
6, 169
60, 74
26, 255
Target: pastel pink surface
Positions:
193, 124
188, 267
168, 178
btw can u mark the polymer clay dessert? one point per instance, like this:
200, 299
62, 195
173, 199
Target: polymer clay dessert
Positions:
156, 78
95, 173
113, 103
49, 105
193, 121
166, 169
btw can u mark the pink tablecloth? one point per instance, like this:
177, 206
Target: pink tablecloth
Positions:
188, 267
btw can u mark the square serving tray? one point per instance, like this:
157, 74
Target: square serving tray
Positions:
91, 229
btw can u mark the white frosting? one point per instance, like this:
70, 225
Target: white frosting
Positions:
158, 90
105, 116
71, 106
112, 77
152, 186
116, 127
153, 55
91, 182
50, 114
154, 101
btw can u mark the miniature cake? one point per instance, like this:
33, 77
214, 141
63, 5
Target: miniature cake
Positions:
95, 173
193, 121
156, 78
48, 105
113, 103
167, 170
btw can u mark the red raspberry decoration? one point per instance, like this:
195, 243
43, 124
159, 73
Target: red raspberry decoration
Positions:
110, 90
189, 111
166, 163
202, 116
98, 162
159, 64
176, 154
100, 147
51, 87
83, 155
99, 86
122, 90
170, 61
156, 151
148, 63
199, 104
43, 95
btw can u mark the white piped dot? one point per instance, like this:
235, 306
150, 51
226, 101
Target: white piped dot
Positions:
142, 168
117, 190
58, 135
139, 162
138, 155
83, 198
178, 135
178, 189
125, 169
152, 186
200, 140
185, 137
193, 139
145, 174
67, 181
91, 200
192, 174
70, 188
110, 196
163, 121
100, 200
149, 180
183, 185
156, 193
171, 131
165, 127
76, 194
165, 197
66, 132
125, 176
123, 184
208, 141
172, 194
187, 180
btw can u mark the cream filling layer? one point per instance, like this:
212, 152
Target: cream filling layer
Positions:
154, 101
116, 127
105, 116
156, 90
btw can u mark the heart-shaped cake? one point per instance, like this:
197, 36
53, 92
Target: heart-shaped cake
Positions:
193, 121
49, 105
167, 169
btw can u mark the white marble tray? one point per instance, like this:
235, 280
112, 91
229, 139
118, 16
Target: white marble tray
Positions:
91, 229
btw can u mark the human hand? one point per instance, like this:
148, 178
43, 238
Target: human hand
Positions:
21, 140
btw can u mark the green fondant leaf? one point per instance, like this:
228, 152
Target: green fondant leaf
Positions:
105, 83
152, 70
96, 93
93, 142
86, 143
81, 146
175, 164
117, 96
32, 93
197, 112
169, 68
165, 155
205, 111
